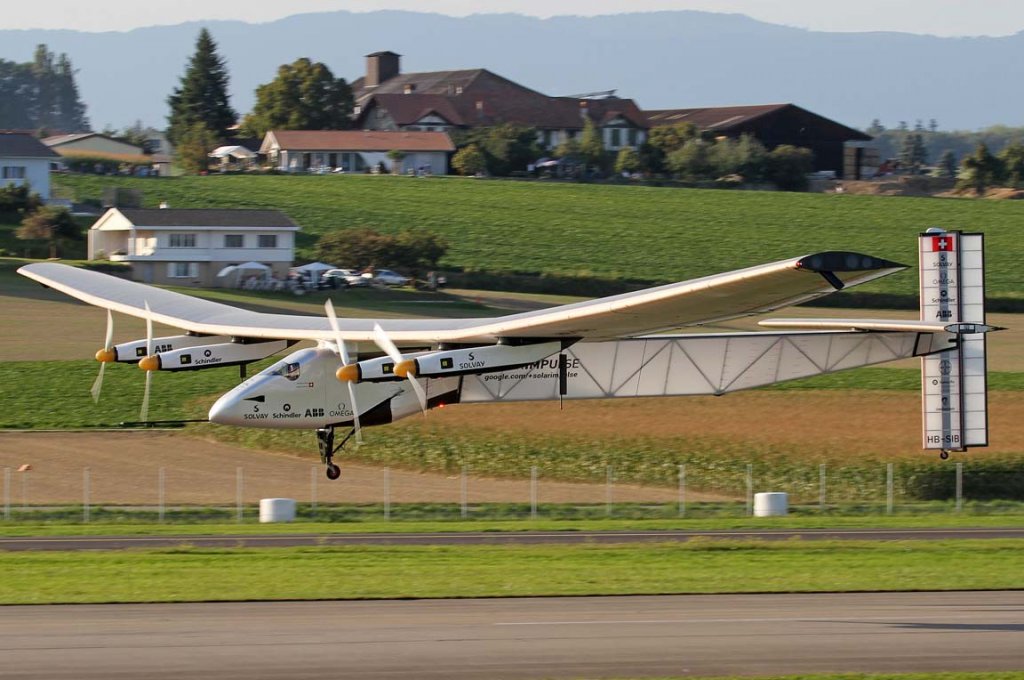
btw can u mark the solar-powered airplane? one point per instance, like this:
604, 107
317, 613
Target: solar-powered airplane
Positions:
366, 372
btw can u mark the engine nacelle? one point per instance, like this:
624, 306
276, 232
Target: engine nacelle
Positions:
454, 362
132, 352
218, 354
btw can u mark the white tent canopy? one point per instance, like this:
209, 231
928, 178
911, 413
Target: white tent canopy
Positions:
244, 267
314, 267
235, 151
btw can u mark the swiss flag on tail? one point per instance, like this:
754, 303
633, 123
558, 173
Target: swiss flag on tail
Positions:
943, 243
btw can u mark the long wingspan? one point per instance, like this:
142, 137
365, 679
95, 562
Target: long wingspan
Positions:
708, 299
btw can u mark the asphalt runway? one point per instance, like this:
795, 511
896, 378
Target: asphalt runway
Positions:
487, 538
591, 637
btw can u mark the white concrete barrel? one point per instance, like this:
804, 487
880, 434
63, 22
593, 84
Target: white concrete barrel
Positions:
277, 509
771, 504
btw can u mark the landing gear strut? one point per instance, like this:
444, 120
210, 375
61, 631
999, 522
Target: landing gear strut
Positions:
325, 442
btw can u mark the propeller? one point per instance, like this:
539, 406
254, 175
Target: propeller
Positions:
148, 363
345, 361
104, 356
384, 342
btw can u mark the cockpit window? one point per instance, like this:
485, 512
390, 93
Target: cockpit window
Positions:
287, 369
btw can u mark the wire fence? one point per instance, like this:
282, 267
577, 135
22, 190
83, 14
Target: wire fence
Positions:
175, 495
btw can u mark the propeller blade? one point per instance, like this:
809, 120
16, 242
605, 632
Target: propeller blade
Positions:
97, 386
420, 394
108, 341
345, 361
384, 342
355, 413
149, 330
104, 357
144, 411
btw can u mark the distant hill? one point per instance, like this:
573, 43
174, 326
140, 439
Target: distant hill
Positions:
661, 59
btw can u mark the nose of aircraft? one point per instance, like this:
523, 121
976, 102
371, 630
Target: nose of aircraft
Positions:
239, 406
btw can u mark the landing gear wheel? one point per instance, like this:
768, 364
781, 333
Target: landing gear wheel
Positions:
333, 471
944, 455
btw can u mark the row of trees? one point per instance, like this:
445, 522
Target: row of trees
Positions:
678, 150
983, 169
41, 94
304, 95
414, 252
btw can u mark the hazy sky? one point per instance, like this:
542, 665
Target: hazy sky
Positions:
937, 17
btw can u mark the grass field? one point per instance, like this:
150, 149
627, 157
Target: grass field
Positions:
646, 233
188, 574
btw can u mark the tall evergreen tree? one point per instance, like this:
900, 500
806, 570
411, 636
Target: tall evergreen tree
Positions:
304, 96
41, 94
202, 96
591, 144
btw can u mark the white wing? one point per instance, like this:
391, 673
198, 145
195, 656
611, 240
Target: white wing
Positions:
712, 298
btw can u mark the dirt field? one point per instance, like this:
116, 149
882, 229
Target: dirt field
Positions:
124, 469
816, 424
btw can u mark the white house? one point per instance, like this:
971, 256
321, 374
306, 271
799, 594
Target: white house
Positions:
189, 247
26, 160
356, 150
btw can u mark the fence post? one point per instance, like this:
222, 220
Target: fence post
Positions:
238, 493
821, 486
464, 492
387, 493
959, 486
7, 493
682, 490
750, 489
24, 490
533, 492
888, 488
160, 494
313, 476
85, 495
609, 480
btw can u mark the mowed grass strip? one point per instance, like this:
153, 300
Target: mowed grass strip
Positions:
706, 566
1009, 514
610, 231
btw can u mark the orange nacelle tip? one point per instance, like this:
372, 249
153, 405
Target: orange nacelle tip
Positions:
348, 373
106, 356
404, 368
150, 363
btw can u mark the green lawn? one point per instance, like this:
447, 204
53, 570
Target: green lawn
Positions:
609, 231
708, 566
936, 519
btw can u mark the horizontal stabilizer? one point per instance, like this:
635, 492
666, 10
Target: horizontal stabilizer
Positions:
877, 325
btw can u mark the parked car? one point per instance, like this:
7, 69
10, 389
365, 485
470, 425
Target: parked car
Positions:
388, 278
346, 277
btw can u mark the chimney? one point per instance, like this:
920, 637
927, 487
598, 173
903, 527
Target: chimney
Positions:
409, 88
381, 67
583, 108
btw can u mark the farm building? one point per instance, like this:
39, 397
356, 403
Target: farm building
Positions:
775, 124
387, 99
190, 247
357, 150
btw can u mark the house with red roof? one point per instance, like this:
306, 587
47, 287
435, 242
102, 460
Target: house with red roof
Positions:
358, 150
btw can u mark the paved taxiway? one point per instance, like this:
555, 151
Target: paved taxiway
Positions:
519, 638
487, 538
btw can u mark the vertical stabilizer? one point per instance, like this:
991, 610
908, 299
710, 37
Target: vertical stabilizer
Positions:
954, 383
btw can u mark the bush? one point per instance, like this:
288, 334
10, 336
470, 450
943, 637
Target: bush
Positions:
16, 201
985, 479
